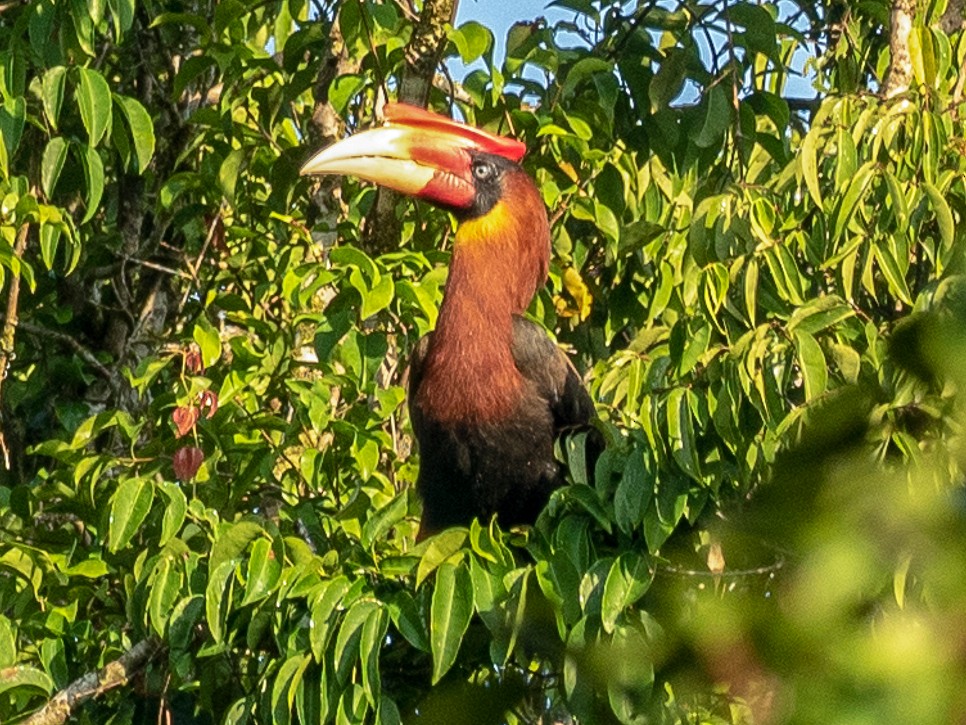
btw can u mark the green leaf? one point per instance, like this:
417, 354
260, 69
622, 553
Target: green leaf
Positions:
83, 25
680, 428
231, 540
4, 157
846, 159
8, 644
89, 569
668, 82
370, 644
472, 40
820, 314
184, 618
944, 217
263, 573
174, 512
13, 113
893, 273
142, 129
631, 675
582, 70
285, 686
450, 615
52, 92
377, 297
95, 8
197, 22
343, 89
379, 524
94, 102
808, 158
751, 290
633, 494
52, 163
165, 588
94, 173
347, 650
760, 31
922, 56
324, 610
26, 677
441, 547
900, 579
607, 222
408, 619
629, 578
589, 500
716, 119
856, 190
900, 208
218, 598
129, 507
811, 361
229, 171
49, 241
209, 341
580, 127
122, 12
848, 361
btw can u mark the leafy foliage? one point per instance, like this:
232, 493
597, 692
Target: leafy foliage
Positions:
204, 422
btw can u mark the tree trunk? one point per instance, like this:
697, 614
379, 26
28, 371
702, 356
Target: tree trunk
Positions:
423, 56
899, 75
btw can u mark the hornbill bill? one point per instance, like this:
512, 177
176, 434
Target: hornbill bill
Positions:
489, 392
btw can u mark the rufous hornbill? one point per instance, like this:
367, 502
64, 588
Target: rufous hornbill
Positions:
489, 392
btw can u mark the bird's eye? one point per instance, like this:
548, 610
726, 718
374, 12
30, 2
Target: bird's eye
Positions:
482, 171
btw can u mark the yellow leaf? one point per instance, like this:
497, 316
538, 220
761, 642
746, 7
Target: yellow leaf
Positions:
575, 285
570, 171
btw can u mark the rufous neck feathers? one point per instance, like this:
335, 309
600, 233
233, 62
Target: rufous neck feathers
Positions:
500, 260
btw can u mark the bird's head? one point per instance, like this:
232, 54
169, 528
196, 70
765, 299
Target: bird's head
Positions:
428, 156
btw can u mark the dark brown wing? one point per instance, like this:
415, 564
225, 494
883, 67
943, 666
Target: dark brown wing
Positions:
540, 360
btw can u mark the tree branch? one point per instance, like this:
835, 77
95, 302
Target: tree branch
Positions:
8, 337
94, 684
111, 376
899, 75
424, 53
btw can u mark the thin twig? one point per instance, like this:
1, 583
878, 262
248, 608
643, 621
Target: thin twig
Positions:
193, 268
7, 339
83, 353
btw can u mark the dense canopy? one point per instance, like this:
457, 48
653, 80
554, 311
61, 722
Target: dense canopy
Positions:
207, 505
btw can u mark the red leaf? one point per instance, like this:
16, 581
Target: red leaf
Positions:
192, 360
208, 402
184, 419
187, 461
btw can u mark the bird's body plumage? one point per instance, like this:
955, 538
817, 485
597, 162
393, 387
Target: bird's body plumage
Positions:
504, 464
489, 392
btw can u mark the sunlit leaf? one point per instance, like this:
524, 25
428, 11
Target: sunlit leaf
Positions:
450, 615
94, 173
55, 154
628, 579
141, 127
94, 102
472, 40
812, 363
53, 93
